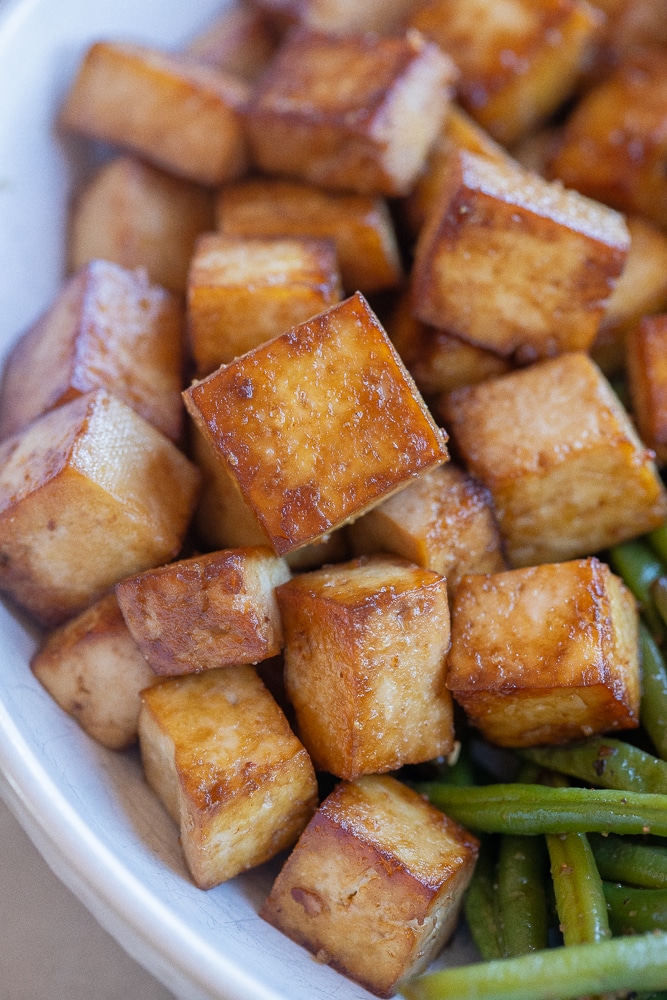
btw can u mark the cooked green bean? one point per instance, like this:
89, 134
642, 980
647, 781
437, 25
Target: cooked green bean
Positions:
531, 809
479, 903
522, 915
580, 900
653, 711
608, 763
638, 566
659, 596
635, 911
616, 965
622, 860
657, 539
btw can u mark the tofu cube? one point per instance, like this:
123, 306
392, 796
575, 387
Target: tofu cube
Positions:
519, 60
514, 263
95, 671
360, 225
239, 41
212, 610
615, 140
641, 289
344, 16
375, 884
566, 470
108, 328
138, 216
263, 416
356, 112
444, 521
365, 645
545, 654
218, 752
647, 381
177, 114
89, 493
244, 291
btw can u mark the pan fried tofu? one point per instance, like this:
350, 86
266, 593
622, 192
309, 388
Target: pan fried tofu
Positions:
647, 381
438, 361
545, 654
514, 263
641, 290
263, 416
108, 328
178, 114
218, 752
239, 41
344, 16
566, 470
212, 610
359, 224
244, 291
138, 216
356, 112
365, 646
444, 521
614, 144
519, 60
375, 884
95, 671
89, 493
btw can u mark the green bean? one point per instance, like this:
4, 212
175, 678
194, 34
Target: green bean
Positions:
657, 539
531, 809
622, 860
653, 710
580, 900
522, 914
608, 763
635, 911
479, 903
659, 596
616, 965
639, 567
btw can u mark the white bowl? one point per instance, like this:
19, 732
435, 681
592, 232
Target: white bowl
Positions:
87, 809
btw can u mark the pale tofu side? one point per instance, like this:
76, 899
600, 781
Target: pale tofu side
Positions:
243, 291
444, 521
240, 41
565, 467
263, 413
108, 328
514, 263
95, 671
357, 113
181, 116
219, 752
90, 470
212, 610
375, 884
365, 646
348, 16
139, 216
545, 654
646, 360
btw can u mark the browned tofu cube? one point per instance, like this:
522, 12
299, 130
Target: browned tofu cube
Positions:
545, 654
438, 361
647, 381
344, 16
243, 291
641, 290
514, 263
179, 115
615, 141
93, 668
365, 645
375, 884
240, 41
108, 328
89, 493
264, 414
219, 753
444, 521
359, 224
566, 470
357, 112
632, 24
212, 610
519, 60
139, 216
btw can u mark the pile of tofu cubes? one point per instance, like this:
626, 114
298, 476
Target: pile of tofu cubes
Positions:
318, 442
